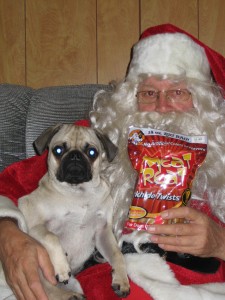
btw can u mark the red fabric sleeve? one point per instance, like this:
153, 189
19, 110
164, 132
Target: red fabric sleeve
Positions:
96, 281
22, 178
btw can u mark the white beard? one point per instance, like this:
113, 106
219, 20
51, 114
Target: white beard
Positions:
113, 114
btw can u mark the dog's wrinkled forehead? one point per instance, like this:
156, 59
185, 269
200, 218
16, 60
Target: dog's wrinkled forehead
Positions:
75, 137
70, 137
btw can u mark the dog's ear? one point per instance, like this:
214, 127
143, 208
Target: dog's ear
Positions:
110, 149
42, 142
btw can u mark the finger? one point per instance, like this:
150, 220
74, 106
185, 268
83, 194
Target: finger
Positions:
178, 244
183, 249
27, 281
178, 241
16, 291
46, 267
174, 229
181, 212
22, 289
179, 249
34, 285
14, 281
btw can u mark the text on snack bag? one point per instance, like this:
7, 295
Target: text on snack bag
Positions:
168, 171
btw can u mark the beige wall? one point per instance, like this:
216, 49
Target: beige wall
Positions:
59, 42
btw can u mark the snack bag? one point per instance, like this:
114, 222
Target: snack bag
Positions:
166, 163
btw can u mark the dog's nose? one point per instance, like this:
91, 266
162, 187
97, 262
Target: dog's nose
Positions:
75, 155
74, 168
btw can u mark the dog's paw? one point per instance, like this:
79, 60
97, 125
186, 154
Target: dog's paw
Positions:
121, 286
62, 268
122, 291
63, 278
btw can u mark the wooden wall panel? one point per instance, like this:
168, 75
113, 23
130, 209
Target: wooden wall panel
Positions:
117, 31
212, 24
12, 41
181, 13
61, 42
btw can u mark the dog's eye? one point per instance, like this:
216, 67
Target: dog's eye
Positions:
58, 150
92, 153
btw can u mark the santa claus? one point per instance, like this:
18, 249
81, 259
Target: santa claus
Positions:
174, 83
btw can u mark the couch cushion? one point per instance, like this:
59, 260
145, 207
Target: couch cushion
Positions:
53, 105
14, 102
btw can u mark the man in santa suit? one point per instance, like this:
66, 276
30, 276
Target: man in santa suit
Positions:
174, 83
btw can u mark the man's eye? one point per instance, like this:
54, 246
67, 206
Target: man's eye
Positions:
58, 151
149, 94
92, 153
178, 92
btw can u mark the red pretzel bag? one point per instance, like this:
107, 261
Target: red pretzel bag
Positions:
166, 163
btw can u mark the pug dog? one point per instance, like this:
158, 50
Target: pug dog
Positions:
70, 213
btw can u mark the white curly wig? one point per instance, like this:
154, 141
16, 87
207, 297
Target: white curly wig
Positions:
115, 110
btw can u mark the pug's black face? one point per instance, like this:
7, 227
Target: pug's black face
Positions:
75, 166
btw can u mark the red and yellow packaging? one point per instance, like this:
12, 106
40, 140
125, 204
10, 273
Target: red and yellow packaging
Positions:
166, 163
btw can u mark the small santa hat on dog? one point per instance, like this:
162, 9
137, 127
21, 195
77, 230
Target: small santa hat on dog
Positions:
167, 49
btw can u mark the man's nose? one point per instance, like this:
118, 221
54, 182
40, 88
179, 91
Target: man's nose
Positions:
162, 103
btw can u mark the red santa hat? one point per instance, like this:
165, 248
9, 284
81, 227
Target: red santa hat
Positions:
167, 49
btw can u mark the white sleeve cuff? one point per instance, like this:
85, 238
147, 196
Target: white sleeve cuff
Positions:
10, 210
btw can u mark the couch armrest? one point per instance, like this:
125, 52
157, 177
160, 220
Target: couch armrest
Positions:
14, 103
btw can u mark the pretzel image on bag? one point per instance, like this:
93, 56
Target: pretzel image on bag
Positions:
166, 163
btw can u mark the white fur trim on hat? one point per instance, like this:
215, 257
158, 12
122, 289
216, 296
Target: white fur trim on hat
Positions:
169, 53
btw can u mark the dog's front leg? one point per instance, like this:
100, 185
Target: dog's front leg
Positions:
56, 253
108, 247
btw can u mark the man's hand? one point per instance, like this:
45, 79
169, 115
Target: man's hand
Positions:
200, 236
22, 257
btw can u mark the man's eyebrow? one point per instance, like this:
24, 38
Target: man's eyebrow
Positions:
147, 86
173, 84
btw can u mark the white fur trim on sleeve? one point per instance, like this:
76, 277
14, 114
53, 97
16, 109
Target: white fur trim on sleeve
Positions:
9, 209
151, 272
